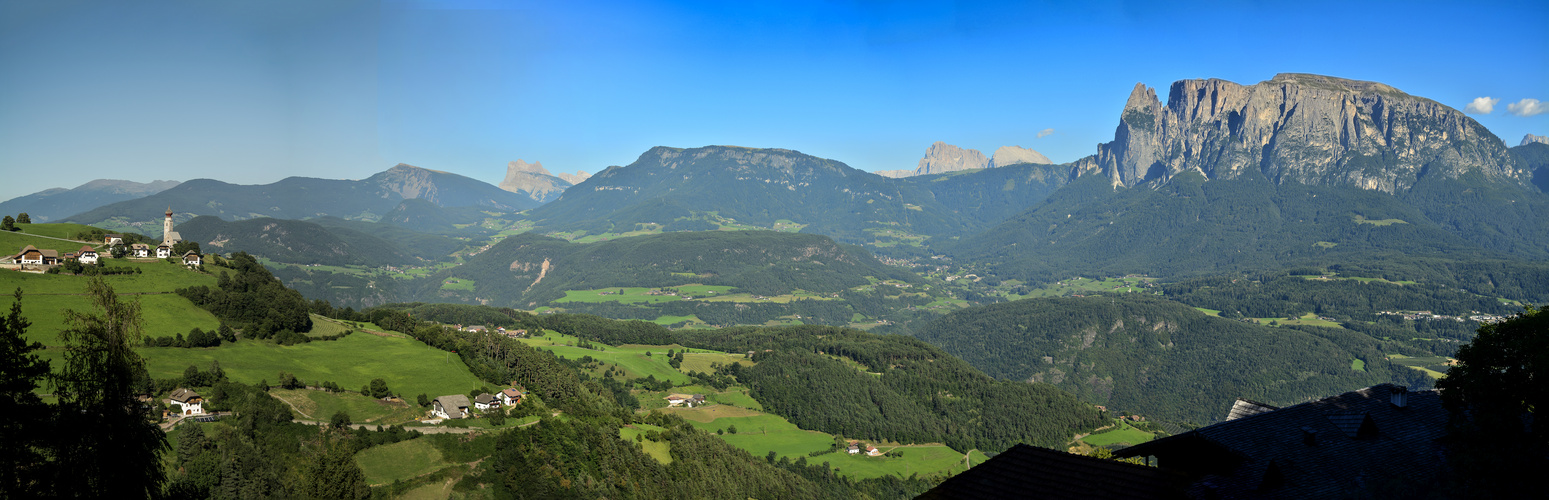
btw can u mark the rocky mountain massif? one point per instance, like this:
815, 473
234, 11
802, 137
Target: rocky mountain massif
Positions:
305, 198
1309, 129
54, 204
1530, 138
534, 181
1298, 170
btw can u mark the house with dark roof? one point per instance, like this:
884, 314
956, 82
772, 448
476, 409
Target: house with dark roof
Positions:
112, 239
86, 255
140, 250
1032, 472
192, 259
485, 402
188, 402
1359, 443
453, 406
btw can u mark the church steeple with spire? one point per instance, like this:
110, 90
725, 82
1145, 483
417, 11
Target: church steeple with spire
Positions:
168, 236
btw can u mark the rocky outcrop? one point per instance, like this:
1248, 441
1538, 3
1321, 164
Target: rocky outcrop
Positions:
533, 180
1301, 128
1530, 138
943, 157
1014, 155
895, 174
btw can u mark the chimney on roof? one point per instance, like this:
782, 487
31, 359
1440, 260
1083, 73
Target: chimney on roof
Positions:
1309, 436
1399, 397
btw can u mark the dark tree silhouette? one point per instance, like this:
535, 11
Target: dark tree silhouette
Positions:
111, 445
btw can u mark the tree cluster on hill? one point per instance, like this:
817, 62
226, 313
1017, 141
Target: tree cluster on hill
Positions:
1191, 227
902, 389
567, 459
262, 454
1494, 394
252, 299
1279, 295
97, 437
1160, 358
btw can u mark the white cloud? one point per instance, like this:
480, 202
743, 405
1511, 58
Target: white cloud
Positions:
1045, 132
1528, 107
1481, 105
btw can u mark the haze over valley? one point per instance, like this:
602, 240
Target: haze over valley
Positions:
473, 249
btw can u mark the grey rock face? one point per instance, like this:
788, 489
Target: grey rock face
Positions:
534, 181
1530, 138
943, 157
1297, 128
1012, 155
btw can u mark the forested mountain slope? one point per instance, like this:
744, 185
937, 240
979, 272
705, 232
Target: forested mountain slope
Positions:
529, 269
1159, 358
57, 203
305, 197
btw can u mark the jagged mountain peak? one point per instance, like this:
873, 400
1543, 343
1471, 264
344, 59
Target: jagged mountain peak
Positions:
942, 157
1530, 138
533, 180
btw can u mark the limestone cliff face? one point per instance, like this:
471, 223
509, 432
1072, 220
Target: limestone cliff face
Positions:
534, 181
1013, 155
1301, 128
1530, 138
943, 157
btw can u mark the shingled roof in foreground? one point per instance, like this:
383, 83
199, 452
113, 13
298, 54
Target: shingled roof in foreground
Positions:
1031, 472
1366, 440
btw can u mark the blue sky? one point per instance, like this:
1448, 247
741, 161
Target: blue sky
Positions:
252, 92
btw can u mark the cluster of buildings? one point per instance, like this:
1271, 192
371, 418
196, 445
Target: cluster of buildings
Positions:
515, 333
689, 400
871, 451
36, 258
457, 405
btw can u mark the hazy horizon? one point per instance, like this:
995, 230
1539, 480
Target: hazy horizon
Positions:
251, 94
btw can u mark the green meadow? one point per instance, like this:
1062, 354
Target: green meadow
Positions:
1123, 433
321, 406
54, 230
631, 358
1435, 366
323, 326
924, 460
399, 461
409, 366
659, 450
164, 315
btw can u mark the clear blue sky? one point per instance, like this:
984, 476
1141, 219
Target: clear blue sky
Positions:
252, 92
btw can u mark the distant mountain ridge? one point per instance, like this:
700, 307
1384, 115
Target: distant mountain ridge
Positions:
305, 197
57, 203
942, 158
